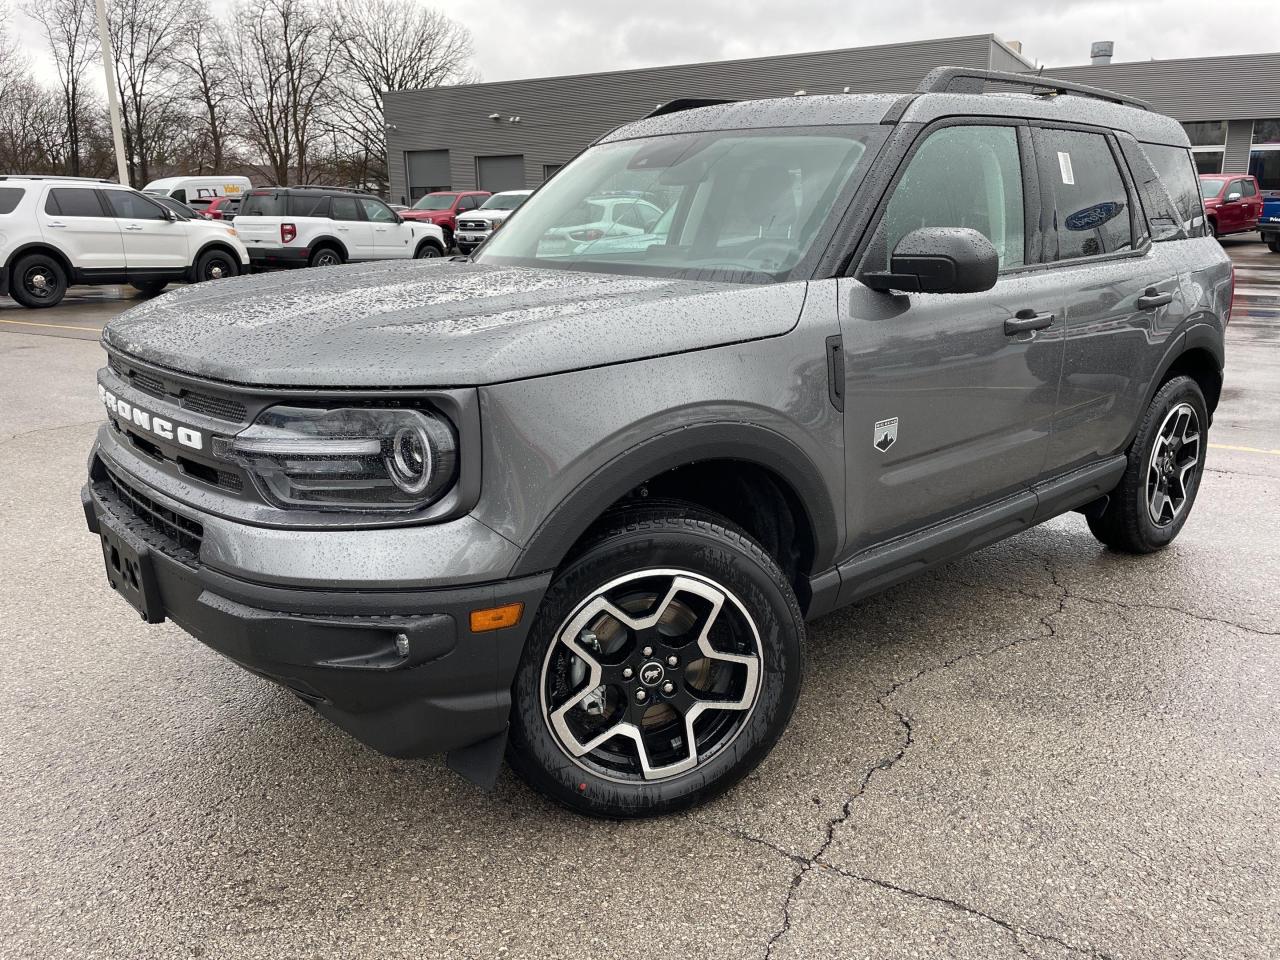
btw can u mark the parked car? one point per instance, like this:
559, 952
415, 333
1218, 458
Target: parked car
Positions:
223, 208
443, 208
1269, 222
190, 189
1232, 203
600, 218
576, 506
474, 227
59, 231
326, 226
181, 209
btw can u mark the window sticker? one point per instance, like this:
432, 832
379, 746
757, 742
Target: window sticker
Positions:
1064, 164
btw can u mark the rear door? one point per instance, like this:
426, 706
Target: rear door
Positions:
1251, 201
948, 406
77, 220
392, 240
152, 242
355, 232
1124, 296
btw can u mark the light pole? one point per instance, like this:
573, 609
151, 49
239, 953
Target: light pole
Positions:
113, 105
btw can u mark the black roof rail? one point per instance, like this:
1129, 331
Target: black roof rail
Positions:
952, 79
684, 103
52, 176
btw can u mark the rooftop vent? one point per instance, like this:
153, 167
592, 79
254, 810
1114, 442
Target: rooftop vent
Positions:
1101, 51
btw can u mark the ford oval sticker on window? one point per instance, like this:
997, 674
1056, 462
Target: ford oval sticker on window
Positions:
1090, 218
1064, 164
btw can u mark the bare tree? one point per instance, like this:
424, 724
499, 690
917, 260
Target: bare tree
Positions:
207, 82
69, 28
283, 54
389, 45
143, 34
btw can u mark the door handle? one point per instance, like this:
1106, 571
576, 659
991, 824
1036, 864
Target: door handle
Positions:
1153, 298
58, 226
134, 226
1027, 320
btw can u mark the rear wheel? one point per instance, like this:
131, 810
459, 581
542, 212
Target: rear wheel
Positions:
326, 257
1166, 460
1274, 245
215, 265
38, 280
663, 665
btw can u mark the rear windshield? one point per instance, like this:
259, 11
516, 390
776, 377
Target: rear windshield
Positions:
9, 199
1178, 174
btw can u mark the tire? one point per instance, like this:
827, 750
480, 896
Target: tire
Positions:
427, 251
149, 288
1129, 522
215, 265
326, 257
685, 570
448, 239
1274, 245
1213, 227
466, 248
38, 280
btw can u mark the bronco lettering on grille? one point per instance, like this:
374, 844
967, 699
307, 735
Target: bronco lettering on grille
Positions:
162, 428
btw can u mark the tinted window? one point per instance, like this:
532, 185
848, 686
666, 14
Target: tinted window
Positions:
264, 205
70, 202
9, 199
1091, 205
308, 205
377, 211
966, 176
180, 195
344, 208
133, 206
1247, 189
1178, 174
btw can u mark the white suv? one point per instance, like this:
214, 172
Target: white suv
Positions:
326, 226
58, 231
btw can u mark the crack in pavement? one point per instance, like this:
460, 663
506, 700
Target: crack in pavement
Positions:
805, 864
66, 426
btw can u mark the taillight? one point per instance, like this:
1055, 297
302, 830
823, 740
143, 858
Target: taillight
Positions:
288, 233
1226, 314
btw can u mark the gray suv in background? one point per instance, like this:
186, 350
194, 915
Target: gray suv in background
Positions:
575, 503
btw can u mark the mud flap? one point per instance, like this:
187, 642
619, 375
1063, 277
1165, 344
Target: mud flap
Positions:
480, 762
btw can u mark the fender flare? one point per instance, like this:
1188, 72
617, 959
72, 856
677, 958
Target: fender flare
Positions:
1198, 336
327, 241
38, 246
695, 443
241, 269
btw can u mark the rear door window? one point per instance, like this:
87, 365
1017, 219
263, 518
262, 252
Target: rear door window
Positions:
1247, 189
73, 202
1091, 209
10, 197
308, 205
344, 208
1177, 172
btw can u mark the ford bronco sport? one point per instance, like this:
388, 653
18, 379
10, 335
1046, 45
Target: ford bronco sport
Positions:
576, 505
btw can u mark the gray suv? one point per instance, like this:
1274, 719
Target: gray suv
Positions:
573, 499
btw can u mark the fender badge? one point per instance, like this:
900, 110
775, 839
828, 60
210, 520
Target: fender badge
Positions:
885, 434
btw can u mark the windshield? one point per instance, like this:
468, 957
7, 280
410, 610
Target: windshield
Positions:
504, 201
744, 203
436, 201
1211, 188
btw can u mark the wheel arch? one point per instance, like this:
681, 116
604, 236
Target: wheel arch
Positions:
750, 474
1198, 354
324, 241
429, 241
222, 248
40, 246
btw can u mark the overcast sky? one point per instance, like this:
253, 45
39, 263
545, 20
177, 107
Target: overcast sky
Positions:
540, 38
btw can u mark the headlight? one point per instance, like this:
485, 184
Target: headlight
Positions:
349, 458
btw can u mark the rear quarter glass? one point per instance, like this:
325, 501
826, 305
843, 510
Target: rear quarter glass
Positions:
10, 197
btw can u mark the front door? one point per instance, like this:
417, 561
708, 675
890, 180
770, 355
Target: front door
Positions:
353, 230
947, 407
153, 243
392, 239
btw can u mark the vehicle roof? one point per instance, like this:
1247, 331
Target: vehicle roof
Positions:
168, 181
850, 109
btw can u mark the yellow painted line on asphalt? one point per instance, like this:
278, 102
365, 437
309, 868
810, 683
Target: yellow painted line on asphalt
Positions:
59, 326
1228, 446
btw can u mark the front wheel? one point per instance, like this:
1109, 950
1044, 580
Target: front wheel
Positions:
215, 265
1166, 461
663, 665
428, 251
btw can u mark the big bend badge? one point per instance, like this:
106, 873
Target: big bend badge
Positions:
886, 434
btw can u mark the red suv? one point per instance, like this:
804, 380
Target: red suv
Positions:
1232, 202
443, 208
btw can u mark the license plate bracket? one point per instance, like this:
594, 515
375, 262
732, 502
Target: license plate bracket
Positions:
130, 571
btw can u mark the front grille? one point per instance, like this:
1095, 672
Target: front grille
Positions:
208, 404
472, 225
186, 535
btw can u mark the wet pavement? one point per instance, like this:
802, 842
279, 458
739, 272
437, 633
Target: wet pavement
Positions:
1044, 750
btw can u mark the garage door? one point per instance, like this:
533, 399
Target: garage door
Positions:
428, 171
500, 173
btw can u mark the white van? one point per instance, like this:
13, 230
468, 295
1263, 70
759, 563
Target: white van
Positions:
198, 189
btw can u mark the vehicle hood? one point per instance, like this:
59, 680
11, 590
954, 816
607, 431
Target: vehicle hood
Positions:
424, 214
436, 323
492, 216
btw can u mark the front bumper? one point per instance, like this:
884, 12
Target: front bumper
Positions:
337, 648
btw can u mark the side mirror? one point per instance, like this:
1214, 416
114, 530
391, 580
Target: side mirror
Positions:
170, 215
939, 260
1232, 197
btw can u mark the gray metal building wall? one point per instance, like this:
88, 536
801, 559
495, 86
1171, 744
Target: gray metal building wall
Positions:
561, 115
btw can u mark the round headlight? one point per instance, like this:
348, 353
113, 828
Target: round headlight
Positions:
411, 459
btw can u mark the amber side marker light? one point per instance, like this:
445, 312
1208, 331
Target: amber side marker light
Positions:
495, 618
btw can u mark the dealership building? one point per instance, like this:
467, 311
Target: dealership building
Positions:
512, 134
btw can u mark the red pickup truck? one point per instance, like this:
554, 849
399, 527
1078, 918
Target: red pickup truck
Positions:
442, 209
1232, 202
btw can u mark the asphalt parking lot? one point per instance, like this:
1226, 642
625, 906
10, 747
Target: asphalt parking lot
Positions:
1044, 750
